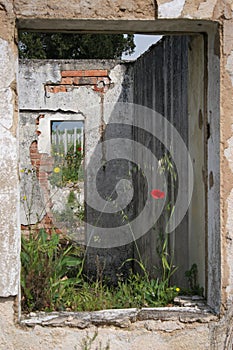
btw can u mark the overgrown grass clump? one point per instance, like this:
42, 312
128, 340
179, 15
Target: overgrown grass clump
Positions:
52, 279
67, 167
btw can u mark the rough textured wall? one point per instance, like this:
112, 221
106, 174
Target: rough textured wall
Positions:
9, 210
189, 8
122, 9
87, 9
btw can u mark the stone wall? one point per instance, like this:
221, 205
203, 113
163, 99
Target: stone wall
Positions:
215, 19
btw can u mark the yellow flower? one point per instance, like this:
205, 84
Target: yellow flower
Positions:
57, 170
177, 289
24, 198
22, 170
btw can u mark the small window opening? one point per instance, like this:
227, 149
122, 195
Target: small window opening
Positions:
67, 179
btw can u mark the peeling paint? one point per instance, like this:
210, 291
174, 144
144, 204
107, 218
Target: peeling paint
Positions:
9, 248
7, 69
8, 161
229, 66
171, 9
6, 108
229, 152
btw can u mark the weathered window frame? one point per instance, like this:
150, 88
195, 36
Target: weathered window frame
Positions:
212, 111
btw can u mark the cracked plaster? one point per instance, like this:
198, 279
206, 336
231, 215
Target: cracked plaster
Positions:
171, 9
229, 66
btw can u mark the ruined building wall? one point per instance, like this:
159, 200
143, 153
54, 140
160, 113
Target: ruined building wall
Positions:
65, 91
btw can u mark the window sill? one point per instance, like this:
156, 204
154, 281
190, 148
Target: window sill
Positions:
123, 318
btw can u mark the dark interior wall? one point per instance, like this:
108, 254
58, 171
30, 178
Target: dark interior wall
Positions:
161, 83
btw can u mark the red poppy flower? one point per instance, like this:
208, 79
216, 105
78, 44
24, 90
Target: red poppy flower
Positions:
79, 149
157, 194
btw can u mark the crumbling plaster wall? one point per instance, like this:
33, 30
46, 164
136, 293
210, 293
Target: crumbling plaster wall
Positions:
9, 228
79, 15
85, 90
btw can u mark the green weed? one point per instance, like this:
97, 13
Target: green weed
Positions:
49, 266
192, 277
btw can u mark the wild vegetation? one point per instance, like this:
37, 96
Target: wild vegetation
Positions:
53, 275
52, 278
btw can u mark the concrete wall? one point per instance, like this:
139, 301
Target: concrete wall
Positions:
197, 239
146, 17
161, 83
169, 79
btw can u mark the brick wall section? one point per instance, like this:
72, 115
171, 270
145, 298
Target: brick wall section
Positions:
43, 165
97, 79
46, 223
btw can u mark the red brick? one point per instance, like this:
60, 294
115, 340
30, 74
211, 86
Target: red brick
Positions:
88, 80
35, 160
85, 73
94, 80
98, 89
67, 81
59, 88
33, 155
33, 150
85, 80
96, 73
56, 88
42, 177
72, 73
36, 163
76, 80
46, 161
58, 231
50, 89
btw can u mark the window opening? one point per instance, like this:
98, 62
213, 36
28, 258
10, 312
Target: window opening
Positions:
67, 179
162, 80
